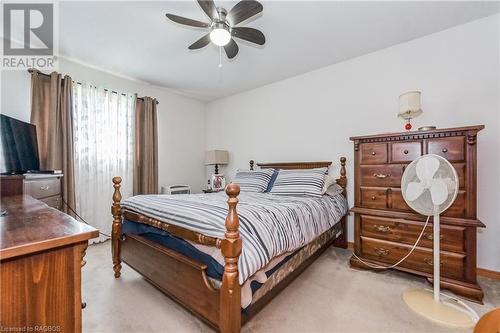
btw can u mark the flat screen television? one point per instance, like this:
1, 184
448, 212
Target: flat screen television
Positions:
18, 146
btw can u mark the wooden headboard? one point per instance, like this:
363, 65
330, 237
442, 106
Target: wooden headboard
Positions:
342, 180
291, 165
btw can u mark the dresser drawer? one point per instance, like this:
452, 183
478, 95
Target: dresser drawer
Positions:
398, 202
452, 264
374, 198
460, 168
373, 153
456, 210
42, 188
381, 175
402, 152
54, 201
458, 207
407, 232
452, 148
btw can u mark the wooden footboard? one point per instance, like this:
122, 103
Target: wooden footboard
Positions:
183, 278
178, 276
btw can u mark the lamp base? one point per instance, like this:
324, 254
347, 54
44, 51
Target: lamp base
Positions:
443, 312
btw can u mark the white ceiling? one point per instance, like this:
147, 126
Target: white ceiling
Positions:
137, 40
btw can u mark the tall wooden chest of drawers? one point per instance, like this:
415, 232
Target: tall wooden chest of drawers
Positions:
385, 228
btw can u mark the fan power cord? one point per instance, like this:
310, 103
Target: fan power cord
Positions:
402, 259
82, 219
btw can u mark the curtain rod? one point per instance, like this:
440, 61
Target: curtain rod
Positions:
32, 70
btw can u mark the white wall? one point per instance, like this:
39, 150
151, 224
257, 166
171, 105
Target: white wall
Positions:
311, 117
181, 120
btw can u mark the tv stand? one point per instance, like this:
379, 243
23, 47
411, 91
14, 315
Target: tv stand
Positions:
44, 172
42, 186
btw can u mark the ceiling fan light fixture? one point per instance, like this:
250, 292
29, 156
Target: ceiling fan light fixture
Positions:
223, 26
220, 36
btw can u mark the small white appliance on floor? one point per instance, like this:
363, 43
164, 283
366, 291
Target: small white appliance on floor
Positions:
429, 186
176, 189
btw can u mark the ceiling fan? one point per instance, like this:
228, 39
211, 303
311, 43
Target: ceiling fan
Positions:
223, 25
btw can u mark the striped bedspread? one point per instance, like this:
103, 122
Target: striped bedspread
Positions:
270, 225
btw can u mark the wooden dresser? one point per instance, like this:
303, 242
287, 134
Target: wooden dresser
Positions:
385, 228
41, 255
44, 187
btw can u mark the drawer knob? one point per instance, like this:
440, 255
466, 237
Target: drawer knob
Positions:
44, 188
382, 228
381, 175
405, 151
381, 252
431, 236
445, 150
374, 153
430, 262
374, 197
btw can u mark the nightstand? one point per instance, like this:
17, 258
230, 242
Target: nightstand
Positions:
212, 191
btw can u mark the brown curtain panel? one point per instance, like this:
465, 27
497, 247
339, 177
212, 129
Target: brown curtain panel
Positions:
51, 108
146, 147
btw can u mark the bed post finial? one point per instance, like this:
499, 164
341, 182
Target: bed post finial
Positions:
342, 181
116, 230
230, 292
251, 164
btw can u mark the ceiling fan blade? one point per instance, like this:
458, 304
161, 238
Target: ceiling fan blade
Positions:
202, 42
186, 21
231, 49
249, 34
243, 10
209, 8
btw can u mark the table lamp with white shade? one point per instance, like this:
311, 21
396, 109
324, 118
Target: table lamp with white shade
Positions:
216, 157
410, 107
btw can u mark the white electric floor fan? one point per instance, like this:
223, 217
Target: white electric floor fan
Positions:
429, 186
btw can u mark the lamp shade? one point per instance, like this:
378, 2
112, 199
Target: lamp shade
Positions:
216, 157
410, 105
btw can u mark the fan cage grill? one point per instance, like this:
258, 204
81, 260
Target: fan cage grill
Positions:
423, 204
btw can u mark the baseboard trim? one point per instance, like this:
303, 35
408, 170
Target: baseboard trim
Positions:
488, 273
479, 271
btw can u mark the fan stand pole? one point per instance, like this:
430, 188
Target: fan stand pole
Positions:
436, 260
428, 304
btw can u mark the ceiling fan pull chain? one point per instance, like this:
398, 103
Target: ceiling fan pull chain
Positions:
220, 56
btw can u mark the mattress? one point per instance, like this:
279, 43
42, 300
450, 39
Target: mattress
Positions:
271, 226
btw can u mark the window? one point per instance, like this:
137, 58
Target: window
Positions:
104, 147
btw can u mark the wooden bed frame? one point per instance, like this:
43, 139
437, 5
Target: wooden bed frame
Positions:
184, 279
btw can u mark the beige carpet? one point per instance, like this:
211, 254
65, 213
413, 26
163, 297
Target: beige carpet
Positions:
327, 297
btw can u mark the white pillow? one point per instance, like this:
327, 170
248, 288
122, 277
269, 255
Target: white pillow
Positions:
334, 190
304, 182
253, 181
329, 181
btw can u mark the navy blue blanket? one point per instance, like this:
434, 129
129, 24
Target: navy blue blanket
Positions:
214, 269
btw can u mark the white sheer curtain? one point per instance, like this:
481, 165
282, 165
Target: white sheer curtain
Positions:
104, 142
